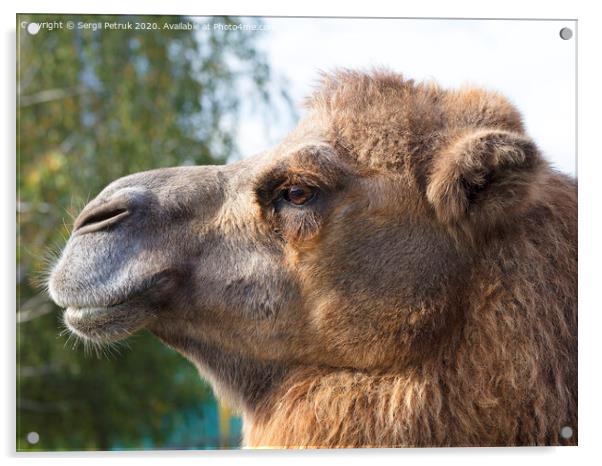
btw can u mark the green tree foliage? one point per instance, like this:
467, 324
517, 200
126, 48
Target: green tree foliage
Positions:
94, 106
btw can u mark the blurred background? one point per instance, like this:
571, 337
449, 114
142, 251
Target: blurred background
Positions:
95, 104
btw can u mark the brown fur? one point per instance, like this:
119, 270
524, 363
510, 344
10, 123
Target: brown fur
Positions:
425, 297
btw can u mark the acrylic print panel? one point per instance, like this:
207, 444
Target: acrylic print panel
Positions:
367, 236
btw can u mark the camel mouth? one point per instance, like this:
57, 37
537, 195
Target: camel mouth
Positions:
118, 318
111, 319
106, 324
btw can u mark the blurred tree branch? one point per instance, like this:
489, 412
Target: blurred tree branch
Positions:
42, 406
33, 308
49, 95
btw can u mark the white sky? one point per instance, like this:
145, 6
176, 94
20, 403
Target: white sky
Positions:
525, 60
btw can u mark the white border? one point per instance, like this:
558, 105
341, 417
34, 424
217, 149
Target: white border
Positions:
590, 161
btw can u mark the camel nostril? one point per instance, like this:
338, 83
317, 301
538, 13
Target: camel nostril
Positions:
99, 218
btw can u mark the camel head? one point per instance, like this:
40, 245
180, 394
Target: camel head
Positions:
343, 246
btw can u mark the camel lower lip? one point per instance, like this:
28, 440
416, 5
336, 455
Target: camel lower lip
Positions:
102, 324
86, 311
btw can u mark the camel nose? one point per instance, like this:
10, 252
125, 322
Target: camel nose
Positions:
103, 213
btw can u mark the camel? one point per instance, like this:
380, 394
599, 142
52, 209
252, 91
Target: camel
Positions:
400, 271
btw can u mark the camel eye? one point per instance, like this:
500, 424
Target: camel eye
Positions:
298, 195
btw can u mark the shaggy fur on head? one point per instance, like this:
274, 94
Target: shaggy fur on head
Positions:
509, 374
423, 293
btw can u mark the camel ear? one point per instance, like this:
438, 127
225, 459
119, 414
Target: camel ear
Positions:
483, 179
